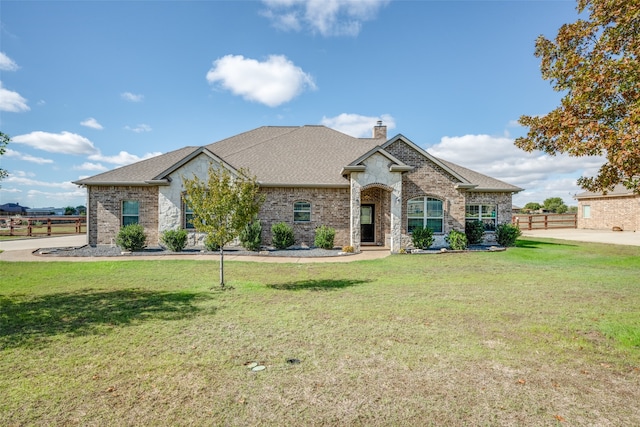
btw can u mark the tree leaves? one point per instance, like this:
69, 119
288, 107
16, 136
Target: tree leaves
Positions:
595, 63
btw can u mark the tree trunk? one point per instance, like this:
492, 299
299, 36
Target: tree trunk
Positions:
221, 268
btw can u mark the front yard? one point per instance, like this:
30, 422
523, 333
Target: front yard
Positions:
547, 333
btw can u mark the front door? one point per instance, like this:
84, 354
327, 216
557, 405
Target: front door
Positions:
367, 224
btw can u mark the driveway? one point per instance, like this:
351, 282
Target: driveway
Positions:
580, 235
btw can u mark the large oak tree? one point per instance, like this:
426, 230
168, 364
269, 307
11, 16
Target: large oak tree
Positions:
594, 63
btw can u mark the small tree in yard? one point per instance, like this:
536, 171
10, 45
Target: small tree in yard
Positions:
222, 206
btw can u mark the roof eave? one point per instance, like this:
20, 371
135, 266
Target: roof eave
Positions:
496, 190
290, 185
148, 183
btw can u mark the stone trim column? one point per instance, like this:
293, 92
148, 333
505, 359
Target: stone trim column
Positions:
396, 217
356, 189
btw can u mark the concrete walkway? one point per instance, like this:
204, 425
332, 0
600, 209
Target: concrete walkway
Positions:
22, 250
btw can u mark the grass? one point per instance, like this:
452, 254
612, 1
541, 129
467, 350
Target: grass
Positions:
542, 334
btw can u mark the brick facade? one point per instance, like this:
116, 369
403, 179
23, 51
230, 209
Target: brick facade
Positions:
430, 180
608, 212
329, 206
105, 212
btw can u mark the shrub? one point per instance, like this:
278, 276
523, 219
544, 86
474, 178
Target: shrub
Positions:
132, 238
348, 249
474, 231
176, 240
251, 236
422, 238
457, 240
282, 235
507, 234
324, 237
210, 245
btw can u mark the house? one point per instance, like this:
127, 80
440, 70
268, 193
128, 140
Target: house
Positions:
13, 209
372, 191
619, 207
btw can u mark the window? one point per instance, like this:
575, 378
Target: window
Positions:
301, 212
130, 212
485, 213
425, 212
586, 211
188, 216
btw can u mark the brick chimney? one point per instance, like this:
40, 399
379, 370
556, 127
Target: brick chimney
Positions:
379, 131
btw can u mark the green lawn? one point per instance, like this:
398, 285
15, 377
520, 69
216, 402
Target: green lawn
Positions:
547, 333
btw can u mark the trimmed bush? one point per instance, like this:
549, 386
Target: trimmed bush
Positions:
348, 249
474, 231
175, 240
507, 234
251, 236
457, 240
282, 235
422, 238
132, 238
324, 237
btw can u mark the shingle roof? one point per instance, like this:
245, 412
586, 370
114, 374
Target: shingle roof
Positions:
306, 155
279, 156
618, 191
483, 182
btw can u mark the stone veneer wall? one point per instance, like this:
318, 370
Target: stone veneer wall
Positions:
329, 206
170, 212
609, 212
105, 212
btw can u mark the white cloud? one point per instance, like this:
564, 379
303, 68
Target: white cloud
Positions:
88, 166
61, 198
139, 128
132, 97
357, 125
327, 17
122, 158
63, 143
10, 190
12, 101
16, 179
92, 123
26, 157
272, 82
6, 63
540, 174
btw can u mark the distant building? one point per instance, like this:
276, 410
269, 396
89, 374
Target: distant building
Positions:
13, 209
619, 208
45, 211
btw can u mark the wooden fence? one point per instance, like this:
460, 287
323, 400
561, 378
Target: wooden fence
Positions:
30, 226
545, 221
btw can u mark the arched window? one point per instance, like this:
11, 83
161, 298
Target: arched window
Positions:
425, 212
302, 211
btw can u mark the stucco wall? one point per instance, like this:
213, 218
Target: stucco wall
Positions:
170, 213
105, 212
609, 212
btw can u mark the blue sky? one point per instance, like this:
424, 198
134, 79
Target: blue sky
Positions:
89, 86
